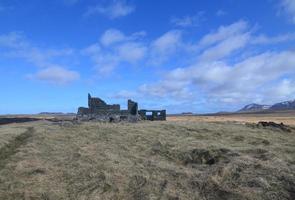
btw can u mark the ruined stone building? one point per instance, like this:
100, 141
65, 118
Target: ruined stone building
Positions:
97, 105
100, 110
153, 115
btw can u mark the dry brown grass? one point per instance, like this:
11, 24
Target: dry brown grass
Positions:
146, 160
285, 117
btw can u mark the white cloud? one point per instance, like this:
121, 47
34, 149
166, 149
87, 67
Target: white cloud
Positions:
104, 62
138, 35
256, 71
288, 7
219, 82
55, 75
222, 77
116, 9
112, 36
225, 41
15, 45
131, 51
92, 49
189, 21
13, 40
224, 32
124, 94
247, 78
223, 70
284, 90
165, 46
166, 88
221, 13
226, 47
115, 48
168, 42
263, 39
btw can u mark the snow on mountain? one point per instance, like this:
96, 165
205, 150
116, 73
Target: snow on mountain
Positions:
286, 105
254, 107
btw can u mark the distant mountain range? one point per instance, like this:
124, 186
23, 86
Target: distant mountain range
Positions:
56, 113
286, 105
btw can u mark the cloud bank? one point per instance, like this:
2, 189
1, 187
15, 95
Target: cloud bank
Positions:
225, 70
288, 7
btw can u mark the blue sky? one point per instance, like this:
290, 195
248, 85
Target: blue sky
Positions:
188, 55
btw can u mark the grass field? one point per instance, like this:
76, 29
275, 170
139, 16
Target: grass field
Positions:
287, 117
182, 158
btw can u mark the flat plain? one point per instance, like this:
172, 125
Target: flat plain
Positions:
286, 117
191, 157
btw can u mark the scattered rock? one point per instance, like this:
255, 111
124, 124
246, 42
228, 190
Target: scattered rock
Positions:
281, 126
272, 125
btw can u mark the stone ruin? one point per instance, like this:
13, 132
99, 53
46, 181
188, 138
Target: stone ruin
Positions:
101, 111
153, 115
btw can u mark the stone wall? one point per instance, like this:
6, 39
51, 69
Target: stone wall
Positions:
155, 115
97, 105
132, 107
101, 111
83, 111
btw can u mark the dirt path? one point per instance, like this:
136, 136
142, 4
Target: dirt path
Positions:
11, 148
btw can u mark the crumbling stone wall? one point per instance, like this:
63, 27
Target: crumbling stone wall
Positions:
156, 115
132, 107
101, 111
83, 111
97, 105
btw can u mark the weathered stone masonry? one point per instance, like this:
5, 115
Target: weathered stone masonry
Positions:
100, 110
155, 115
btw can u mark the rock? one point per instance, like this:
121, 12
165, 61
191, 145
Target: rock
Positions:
280, 126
